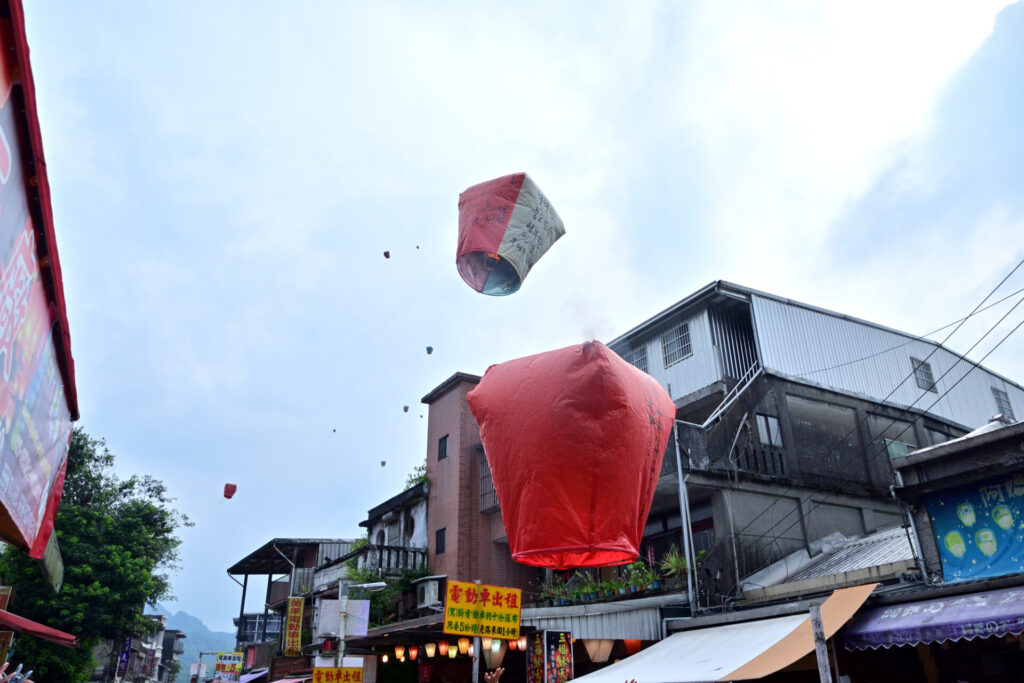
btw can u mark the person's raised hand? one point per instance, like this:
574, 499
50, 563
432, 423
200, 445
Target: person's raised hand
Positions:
493, 676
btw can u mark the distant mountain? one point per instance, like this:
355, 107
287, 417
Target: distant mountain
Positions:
198, 639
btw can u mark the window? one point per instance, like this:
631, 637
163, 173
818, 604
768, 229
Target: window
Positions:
768, 431
442, 447
439, 542
898, 449
923, 375
675, 344
637, 358
1003, 405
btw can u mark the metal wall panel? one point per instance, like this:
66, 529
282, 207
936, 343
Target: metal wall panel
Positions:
818, 348
644, 623
693, 372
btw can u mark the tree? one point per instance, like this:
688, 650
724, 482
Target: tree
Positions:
117, 538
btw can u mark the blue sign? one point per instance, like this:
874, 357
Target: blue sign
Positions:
126, 653
979, 528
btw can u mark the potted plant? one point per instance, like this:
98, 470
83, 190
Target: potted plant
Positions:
634, 576
673, 566
621, 587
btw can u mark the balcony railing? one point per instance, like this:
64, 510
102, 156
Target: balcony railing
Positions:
388, 560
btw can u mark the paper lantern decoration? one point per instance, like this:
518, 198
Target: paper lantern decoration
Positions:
574, 439
463, 645
452, 651
522, 643
471, 649
633, 645
513, 644
431, 649
599, 649
505, 226
495, 654
399, 651
485, 643
229, 490
442, 647
413, 652
384, 659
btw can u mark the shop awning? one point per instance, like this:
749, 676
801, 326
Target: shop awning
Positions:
13, 622
963, 617
733, 652
255, 675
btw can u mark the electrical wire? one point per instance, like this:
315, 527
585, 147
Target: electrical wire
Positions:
770, 507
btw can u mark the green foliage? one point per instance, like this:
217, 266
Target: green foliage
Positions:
419, 474
383, 603
117, 539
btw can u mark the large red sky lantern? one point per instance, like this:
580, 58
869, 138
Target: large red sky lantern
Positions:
574, 439
505, 226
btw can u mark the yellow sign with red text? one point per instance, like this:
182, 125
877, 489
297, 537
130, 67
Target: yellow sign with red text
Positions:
338, 674
474, 609
293, 628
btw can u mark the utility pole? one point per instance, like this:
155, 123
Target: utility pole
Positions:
820, 649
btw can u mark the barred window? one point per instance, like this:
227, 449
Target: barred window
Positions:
637, 358
923, 375
1003, 405
675, 344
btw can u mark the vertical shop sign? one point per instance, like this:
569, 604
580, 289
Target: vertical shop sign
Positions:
293, 628
535, 658
35, 418
126, 653
557, 656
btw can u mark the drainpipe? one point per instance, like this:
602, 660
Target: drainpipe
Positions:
915, 538
684, 513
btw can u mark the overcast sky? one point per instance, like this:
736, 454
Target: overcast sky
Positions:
226, 176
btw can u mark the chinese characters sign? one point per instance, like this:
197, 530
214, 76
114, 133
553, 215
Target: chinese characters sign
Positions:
293, 628
979, 528
228, 666
6, 638
35, 421
338, 674
557, 656
474, 609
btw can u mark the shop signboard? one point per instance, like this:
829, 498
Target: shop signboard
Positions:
228, 666
337, 674
557, 656
126, 654
979, 528
474, 609
293, 627
6, 638
535, 658
35, 412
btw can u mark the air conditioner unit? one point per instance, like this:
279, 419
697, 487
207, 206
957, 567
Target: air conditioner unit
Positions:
426, 594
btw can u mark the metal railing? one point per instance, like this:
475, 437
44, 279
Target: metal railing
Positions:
388, 560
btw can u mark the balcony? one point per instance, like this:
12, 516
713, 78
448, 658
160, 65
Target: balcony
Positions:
388, 560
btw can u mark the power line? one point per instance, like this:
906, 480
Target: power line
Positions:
814, 504
923, 337
904, 411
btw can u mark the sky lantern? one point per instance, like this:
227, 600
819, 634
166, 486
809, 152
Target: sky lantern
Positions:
505, 226
574, 439
229, 490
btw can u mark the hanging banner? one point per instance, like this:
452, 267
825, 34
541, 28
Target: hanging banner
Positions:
293, 627
337, 674
126, 654
979, 528
35, 413
557, 656
474, 609
6, 638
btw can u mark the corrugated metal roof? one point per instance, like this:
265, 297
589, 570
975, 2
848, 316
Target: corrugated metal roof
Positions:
879, 548
631, 619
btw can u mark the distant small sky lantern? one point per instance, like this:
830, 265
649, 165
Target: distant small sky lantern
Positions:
505, 226
229, 490
574, 439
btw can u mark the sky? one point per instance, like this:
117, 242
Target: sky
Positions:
226, 176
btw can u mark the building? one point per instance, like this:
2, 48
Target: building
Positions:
171, 653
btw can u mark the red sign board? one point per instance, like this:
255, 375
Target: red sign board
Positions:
35, 414
293, 627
